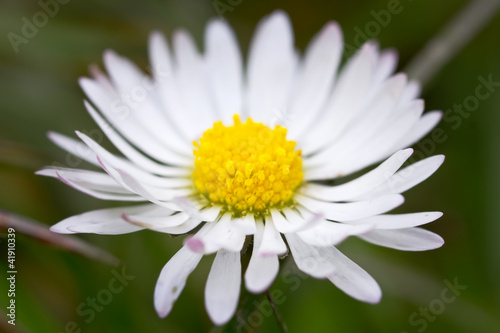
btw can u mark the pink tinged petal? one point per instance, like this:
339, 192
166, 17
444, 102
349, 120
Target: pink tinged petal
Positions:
197, 243
99, 194
261, 270
362, 184
320, 64
74, 147
272, 243
223, 235
398, 221
89, 179
225, 69
131, 153
312, 260
351, 210
223, 287
114, 162
411, 239
161, 197
103, 221
407, 177
353, 280
411, 91
271, 66
173, 278
101, 78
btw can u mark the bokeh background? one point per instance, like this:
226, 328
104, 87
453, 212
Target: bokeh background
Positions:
39, 92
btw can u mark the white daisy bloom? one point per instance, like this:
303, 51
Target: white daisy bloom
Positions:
223, 153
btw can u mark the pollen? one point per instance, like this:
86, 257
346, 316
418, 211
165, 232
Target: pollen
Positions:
247, 166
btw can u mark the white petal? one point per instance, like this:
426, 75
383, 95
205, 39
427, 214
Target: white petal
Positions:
193, 87
98, 181
223, 235
380, 146
321, 61
351, 210
173, 278
411, 91
101, 78
367, 126
224, 69
223, 287
246, 225
99, 194
261, 270
425, 124
399, 221
407, 177
103, 156
360, 185
160, 196
271, 65
168, 87
122, 118
353, 280
344, 105
328, 233
157, 221
272, 243
74, 147
102, 221
411, 239
138, 92
386, 65
312, 260
183, 228
132, 154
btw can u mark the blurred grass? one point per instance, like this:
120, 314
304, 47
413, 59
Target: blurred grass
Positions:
40, 93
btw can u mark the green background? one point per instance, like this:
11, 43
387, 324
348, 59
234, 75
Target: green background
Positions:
39, 92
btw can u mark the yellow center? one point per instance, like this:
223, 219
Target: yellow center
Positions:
247, 166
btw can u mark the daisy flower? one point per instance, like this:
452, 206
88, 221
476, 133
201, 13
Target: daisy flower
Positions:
232, 155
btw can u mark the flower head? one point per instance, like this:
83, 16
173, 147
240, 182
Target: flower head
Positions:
222, 153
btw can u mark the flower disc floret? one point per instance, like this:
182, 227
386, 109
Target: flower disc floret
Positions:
247, 166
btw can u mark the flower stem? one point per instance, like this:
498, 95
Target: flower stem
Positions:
277, 315
454, 36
